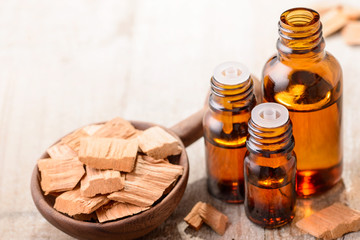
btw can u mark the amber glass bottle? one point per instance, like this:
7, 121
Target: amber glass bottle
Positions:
225, 130
270, 167
308, 81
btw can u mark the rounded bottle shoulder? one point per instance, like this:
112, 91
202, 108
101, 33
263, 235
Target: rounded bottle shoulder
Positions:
302, 83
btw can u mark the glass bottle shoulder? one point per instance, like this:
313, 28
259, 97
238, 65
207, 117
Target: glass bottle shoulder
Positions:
302, 83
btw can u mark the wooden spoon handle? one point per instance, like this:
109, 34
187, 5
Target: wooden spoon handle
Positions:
190, 129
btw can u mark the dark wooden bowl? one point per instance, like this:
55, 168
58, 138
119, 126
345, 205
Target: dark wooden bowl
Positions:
127, 228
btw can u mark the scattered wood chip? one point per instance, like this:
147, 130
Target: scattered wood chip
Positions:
147, 182
72, 203
352, 13
193, 218
351, 33
324, 7
212, 217
333, 20
116, 128
73, 139
100, 182
158, 143
116, 210
58, 175
331, 222
61, 151
108, 153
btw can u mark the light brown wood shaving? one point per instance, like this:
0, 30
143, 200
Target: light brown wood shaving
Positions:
73, 139
72, 203
108, 153
116, 210
116, 128
147, 182
331, 222
193, 218
351, 33
158, 143
98, 181
58, 175
61, 151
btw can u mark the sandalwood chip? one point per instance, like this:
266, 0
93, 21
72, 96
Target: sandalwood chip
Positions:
116, 128
61, 151
73, 139
333, 20
331, 222
158, 143
58, 175
108, 153
91, 129
147, 182
212, 217
193, 218
72, 203
351, 33
116, 210
100, 182
352, 13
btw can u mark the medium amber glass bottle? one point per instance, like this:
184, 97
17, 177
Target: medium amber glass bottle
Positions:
225, 130
308, 81
270, 167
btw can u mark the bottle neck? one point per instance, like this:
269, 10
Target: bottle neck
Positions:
270, 140
300, 33
231, 97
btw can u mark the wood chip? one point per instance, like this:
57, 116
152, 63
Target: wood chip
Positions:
116, 128
116, 210
61, 151
193, 218
351, 33
147, 182
100, 182
324, 7
333, 20
158, 143
108, 153
212, 217
331, 222
72, 203
58, 175
351, 12
91, 129
73, 139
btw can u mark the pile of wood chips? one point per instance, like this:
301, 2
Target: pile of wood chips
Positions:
109, 171
340, 17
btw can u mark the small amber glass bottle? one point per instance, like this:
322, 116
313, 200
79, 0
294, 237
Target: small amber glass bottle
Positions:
225, 130
308, 81
270, 167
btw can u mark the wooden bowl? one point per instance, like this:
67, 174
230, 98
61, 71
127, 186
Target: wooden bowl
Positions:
127, 228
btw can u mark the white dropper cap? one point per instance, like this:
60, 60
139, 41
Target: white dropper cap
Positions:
231, 73
269, 115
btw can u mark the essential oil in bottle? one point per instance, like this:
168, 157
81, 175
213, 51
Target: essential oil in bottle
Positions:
225, 130
307, 80
270, 167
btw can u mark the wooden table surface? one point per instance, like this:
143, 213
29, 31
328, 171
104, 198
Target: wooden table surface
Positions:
65, 64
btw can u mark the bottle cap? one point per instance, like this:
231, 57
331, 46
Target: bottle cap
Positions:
231, 73
269, 115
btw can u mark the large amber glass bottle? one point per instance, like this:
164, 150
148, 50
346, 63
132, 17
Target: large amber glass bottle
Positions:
308, 81
225, 130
